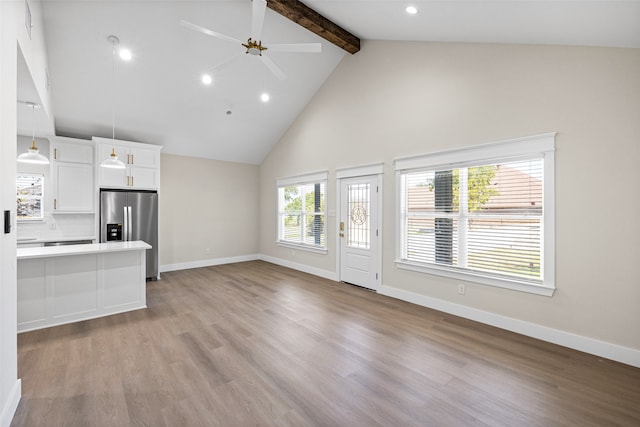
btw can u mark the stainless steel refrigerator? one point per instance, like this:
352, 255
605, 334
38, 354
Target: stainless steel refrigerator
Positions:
131, 215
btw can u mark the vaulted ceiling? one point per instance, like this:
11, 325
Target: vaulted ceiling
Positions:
159, 97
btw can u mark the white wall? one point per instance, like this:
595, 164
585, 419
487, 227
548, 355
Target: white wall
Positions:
9, 383
14, 41
208, 212
396, 99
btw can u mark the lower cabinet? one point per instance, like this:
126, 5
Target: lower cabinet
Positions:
117, 271
74, 285
63, 289
32, 304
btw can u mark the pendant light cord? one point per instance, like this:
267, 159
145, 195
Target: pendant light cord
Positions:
113, 97
33, 124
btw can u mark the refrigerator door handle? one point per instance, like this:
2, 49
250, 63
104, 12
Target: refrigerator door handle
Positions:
125, 233
130, 223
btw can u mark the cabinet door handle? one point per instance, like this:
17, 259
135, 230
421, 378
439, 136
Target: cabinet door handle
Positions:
132, 159
132, 180
55, 203
55, 154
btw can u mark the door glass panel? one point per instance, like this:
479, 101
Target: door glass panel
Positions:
358, 205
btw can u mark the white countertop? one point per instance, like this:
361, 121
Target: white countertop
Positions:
93, 248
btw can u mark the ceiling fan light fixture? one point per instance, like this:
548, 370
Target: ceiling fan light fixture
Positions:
254, 47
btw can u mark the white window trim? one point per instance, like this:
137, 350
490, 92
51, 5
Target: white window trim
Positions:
544, 145
302, 179
310, 178
302, 247
374, 169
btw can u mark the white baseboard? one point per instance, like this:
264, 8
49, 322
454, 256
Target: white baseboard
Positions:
604, 349
208, 262
331, 275
10, 406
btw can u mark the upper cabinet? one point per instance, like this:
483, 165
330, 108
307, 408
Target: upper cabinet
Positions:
142, 165
72, 150
72, 175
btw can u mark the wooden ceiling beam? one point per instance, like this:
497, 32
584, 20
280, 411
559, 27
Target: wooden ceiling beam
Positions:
316, 23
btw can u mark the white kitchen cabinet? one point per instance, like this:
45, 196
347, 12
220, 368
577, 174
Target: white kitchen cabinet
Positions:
72, 150
72, 175
142, 163
32, 305
72, 187
64, 284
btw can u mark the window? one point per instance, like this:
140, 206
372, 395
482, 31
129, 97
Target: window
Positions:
482, 214
29, 189
301, 211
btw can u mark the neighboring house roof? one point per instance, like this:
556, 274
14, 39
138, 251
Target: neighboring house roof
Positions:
515, 190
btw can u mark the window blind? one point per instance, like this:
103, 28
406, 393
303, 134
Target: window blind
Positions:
485, 218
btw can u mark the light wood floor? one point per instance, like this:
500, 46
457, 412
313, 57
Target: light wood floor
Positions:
257, 344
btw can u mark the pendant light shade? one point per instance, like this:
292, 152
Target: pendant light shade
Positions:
33, 155
112, 162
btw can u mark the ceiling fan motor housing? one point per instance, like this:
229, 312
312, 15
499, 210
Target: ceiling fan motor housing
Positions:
253, 47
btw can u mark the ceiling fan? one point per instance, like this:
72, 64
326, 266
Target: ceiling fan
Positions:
254, 45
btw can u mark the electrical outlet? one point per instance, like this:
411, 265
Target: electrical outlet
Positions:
462, 288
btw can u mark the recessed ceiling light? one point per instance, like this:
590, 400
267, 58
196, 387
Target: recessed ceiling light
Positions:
411, 10
125, 54
207, 79
264, 97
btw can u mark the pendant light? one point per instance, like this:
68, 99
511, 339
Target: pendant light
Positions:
112, 161
33, 155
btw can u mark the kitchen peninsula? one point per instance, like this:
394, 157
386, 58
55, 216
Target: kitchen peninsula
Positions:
63, 284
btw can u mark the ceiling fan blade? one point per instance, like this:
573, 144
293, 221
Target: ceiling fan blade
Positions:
226, 62
209, 32
273, 68
258, 9
296, 47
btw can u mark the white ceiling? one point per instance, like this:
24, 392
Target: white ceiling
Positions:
555, 22
159, 98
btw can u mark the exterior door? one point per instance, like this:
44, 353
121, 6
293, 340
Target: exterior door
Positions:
358, 231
